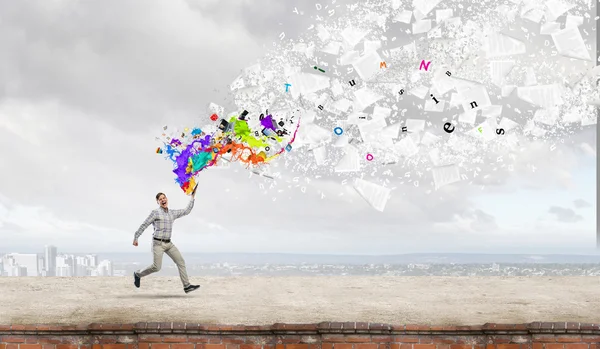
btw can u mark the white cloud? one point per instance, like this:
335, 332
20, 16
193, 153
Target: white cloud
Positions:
580, 203
565, 214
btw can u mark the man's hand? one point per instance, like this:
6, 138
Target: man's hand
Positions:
135, 243
194, 192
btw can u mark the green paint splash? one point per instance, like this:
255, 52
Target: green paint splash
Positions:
242, 130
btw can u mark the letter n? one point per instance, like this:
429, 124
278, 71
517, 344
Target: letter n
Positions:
423, 65
475, 104
382, 64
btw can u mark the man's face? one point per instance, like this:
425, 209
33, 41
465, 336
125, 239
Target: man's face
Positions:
163, 201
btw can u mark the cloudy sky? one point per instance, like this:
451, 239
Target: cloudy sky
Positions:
87, 86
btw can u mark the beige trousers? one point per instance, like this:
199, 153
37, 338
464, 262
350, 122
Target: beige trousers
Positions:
158, 249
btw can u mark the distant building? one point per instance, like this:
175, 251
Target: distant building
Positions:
41, 264
51, 264
13, 264
50, 260
81, 266
92, 260
63, 267
16, 270
495, 267
29, 262
105, 268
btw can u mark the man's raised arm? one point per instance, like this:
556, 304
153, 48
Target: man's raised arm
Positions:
144, 225
186, 211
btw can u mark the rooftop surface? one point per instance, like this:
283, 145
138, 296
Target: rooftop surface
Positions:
269, 300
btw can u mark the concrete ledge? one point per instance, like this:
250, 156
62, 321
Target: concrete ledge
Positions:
269, 302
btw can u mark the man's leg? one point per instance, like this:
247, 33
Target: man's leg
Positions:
175, 255
158, 248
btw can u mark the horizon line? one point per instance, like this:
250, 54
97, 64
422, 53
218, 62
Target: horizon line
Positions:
362, 255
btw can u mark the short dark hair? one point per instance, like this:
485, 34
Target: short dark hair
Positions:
158, 195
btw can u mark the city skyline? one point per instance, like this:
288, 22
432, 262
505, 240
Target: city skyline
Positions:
51, 263
29, 265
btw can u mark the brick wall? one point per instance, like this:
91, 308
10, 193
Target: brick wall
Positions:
330, 335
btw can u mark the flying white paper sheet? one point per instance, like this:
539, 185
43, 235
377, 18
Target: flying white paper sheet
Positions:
500, 45
371, 131
314, 134
434, 156
550, 28
367, 66
357, 117
305, 83
530, 78
420, 27
534, 15
323, 33
376, 195
445, 175
342, 105
415, 125
406, 147
441, 15
425, 6
569, 43
545, 96
350, 162
507, 90
333, 48
216, 109
429, 139
371, 45
320, 154
419, 91
487, 130
571, 116
573, 21
381, 112
349, 57
475, 98
341, 141
337, 88
353, 36
237, 83
492, 111
364, 97
468, 117
404, 17
546, 116
392, 131
555, 8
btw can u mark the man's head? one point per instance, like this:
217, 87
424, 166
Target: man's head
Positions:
162, 200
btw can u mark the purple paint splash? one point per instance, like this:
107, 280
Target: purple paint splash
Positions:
268, 122
183, 160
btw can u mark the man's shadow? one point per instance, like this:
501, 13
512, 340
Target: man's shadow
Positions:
152, 296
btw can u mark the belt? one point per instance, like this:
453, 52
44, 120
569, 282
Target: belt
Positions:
163, 240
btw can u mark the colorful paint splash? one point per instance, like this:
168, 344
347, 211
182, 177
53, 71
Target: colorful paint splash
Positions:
233, 140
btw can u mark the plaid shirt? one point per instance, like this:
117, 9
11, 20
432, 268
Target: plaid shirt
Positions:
162, 219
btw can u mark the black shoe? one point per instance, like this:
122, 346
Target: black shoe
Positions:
136, 280
191, 288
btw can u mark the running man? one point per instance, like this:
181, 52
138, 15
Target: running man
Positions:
162, 218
